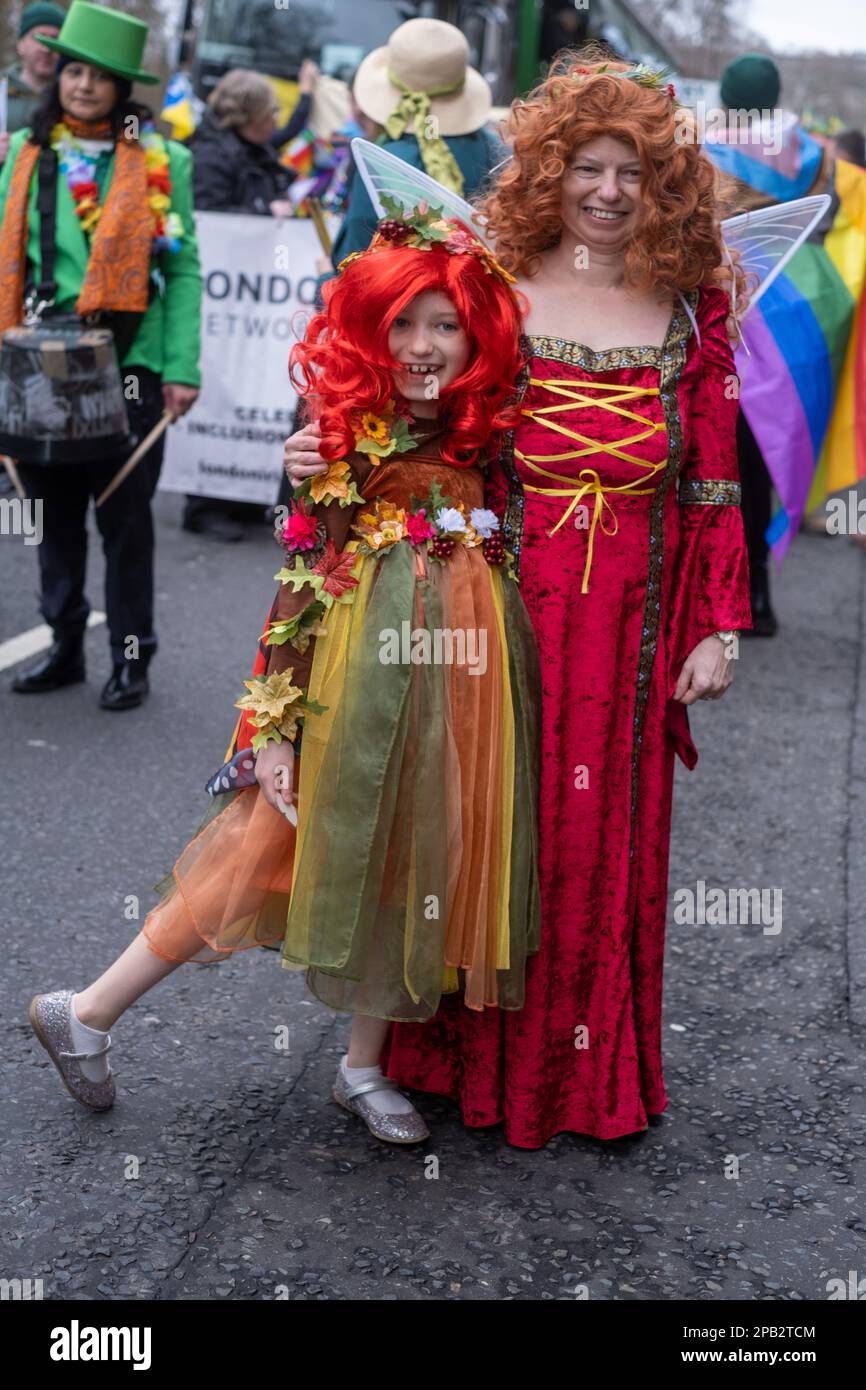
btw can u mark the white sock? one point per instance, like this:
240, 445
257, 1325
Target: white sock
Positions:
86, 1039
387, 1102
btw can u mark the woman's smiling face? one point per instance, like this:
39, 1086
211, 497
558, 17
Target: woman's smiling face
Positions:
601, 193
428, 338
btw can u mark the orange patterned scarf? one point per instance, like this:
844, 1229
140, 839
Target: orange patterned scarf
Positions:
119, 263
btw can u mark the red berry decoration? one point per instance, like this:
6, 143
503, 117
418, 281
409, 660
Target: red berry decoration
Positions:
493, 549
392, 230
442, 547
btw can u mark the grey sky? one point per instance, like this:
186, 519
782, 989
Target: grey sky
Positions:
832, 25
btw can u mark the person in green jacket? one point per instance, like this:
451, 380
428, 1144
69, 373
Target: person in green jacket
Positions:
29, 78
126, 254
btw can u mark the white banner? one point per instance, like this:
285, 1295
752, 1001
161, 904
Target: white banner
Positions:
259, 272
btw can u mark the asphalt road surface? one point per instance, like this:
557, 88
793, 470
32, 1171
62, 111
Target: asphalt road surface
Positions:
225, 1170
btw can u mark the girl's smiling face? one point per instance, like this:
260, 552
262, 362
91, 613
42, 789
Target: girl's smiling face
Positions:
428, 339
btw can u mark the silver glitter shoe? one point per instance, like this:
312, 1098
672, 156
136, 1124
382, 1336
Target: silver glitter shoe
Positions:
49, 1018
408, 1128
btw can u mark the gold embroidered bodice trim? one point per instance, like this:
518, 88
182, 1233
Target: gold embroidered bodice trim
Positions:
579, 355
583, 395
710, 492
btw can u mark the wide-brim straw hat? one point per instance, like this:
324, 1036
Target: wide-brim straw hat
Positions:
104, 38
426, 55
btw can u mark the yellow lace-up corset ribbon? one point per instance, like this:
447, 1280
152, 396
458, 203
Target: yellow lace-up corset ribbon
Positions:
583, 394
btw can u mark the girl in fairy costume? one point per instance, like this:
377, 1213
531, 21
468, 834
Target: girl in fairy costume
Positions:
392, 855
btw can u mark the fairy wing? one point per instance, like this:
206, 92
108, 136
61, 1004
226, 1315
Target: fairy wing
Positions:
384, 173
767, 238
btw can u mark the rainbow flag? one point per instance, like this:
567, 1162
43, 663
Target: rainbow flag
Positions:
803, 389
843, 460
797, 335
300, 154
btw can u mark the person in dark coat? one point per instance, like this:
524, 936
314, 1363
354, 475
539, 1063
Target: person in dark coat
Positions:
236, 169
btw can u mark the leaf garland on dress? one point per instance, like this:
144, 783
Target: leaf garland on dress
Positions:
274, 706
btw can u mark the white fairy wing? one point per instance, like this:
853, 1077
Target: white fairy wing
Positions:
384, 173
767, 238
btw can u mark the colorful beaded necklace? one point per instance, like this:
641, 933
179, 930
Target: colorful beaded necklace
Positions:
79, 169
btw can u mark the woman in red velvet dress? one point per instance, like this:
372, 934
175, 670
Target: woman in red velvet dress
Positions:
621, 497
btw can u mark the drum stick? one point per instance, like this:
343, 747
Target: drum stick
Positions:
320, 225
13, 474
133, 459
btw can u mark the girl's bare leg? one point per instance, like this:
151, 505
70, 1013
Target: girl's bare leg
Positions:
134, 972
367, 1040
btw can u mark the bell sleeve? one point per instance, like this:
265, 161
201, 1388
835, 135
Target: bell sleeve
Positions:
711, 579
711, 582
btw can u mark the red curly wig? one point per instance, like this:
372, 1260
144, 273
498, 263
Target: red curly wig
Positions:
677, 245
343, 365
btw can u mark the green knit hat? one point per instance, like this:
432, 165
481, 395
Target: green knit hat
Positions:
35, 15
751, 82
109, 40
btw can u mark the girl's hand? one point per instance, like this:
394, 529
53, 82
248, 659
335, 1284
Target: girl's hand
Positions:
275, 771
301, 456
707, 672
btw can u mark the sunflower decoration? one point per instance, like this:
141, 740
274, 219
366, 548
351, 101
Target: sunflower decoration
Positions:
382, 435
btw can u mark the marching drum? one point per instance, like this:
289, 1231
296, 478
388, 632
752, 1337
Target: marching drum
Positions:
61, 397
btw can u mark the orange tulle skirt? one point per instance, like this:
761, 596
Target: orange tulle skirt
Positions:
412, 870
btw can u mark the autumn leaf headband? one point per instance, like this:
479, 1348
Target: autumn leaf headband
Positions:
425, 228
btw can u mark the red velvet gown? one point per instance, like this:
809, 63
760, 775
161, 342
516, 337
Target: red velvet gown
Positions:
619, 595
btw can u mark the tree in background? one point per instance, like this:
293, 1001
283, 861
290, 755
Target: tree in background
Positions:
160, 18
704, 35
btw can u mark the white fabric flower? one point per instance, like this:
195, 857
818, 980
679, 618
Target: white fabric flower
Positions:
484, 521
449, 520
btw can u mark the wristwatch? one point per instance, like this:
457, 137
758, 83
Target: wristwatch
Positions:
728, 635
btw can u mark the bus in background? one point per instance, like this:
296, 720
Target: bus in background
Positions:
510, 41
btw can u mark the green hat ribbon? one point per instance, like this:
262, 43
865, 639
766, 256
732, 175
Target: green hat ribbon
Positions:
413, 110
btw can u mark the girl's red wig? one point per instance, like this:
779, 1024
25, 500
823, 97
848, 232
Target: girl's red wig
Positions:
344, 366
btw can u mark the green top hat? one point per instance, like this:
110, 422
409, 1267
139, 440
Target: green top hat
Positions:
111, 41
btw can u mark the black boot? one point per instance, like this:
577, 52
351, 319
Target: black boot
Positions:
764, 621
213, 522
127, 686
63, 664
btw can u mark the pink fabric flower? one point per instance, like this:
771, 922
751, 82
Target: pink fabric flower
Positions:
299, 532
418, 528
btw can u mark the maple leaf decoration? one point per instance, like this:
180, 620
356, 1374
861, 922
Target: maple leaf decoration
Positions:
336, 568
337, 485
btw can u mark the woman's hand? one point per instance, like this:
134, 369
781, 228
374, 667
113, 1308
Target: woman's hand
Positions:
178, 399
275, 771
308, 76
707, 672
301, 457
